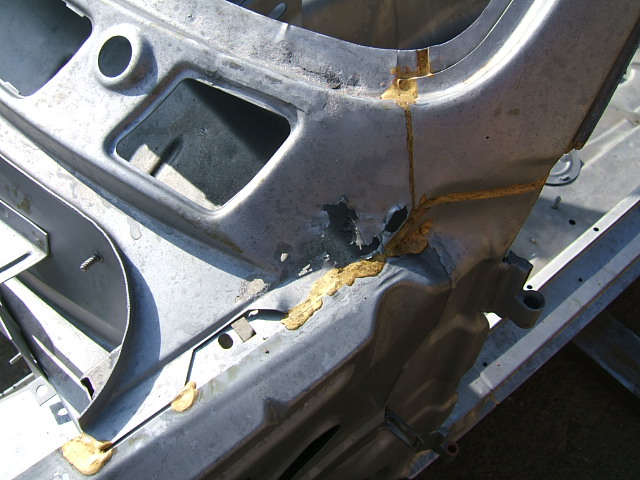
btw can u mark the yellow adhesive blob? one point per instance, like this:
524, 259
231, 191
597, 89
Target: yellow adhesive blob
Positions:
87, 454
404, 87
402, 90
328, 285
186, 398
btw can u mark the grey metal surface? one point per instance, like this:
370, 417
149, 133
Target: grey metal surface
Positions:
41, 432
462, 149
610, 173
578, 285
585, 250
566, 170
73, 321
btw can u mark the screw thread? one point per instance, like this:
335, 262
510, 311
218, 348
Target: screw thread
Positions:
91, 261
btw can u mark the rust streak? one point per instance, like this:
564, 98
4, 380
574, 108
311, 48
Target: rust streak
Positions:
424, 63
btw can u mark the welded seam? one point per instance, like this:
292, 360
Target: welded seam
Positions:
412, 180
404, 91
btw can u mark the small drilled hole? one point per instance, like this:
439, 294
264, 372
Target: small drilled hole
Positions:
485, 364
580, 280
529, 287
596, 229
114, 56
62, 412
572, 222
225, 341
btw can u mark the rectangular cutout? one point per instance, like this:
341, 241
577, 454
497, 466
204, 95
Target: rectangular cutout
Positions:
402, 25
204, 143
38, 38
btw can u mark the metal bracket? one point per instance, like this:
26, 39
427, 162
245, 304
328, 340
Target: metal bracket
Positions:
23, 243
522, 307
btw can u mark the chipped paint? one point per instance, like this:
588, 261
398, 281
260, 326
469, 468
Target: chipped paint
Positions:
410, 239
186, 398
424, 63
251, 289
87, 454
328, 285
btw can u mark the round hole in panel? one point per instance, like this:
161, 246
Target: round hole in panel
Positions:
225, 341
115, 56
533, 300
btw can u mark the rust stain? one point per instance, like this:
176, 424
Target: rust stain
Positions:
87, 454
186, 398
410, 239
424, 63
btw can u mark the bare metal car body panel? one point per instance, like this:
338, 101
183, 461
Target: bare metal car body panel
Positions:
426, 161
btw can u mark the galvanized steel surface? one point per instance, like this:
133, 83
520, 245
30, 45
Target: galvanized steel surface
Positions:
456, 139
